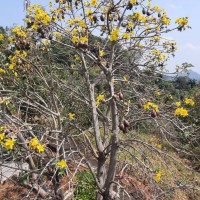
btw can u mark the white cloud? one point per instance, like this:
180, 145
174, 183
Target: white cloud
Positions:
172, 6
191, 46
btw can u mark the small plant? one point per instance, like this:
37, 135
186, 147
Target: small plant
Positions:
86, 188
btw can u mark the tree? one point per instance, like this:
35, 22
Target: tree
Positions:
77, 79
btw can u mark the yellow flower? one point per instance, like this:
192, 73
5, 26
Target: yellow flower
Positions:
156, 52
9, 143
2, 71
93, 2
83, 40
40, 148
182, 21
157, 93
156, 38
1, 37
159, 146
133, 1
181, 112
2, 128
82, 24
147, 105
155, 107
125, 79
178, 103
189, 102
158, 176
101, 53
130, 24
71, 115
75, 39
2, 136
33, 143
157, 8
126, 36
114, 34
18, 30
88, 12
62, 164
148, 3
99, 98
165, 19
150, 105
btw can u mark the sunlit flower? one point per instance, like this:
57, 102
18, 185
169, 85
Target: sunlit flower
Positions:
71, 115
133, 1
9, 144
1, 37
75, 39
33, 143
114, 34
125, 79
83, 40
189, 102
178, 103
40, 148
62, 164
99, 98
2, 136
101, 53
181, 112
126, 36
158, 176
93, 2
182, 21
2, 71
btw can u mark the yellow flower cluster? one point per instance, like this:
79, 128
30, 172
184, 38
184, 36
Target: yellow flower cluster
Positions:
139, 17
1, 37
3, 71
178, 103
34, 144
7, 143
165, 19
93, 2
71, 115
37, 13
158, 176
160, 56
126, 36
99, 98
62, 164
133, 1
150, 105
157, 93
101, 53
114, 34
181, 112
189, 102
4, 100
16, 59
157, 8
182, 21
19, 31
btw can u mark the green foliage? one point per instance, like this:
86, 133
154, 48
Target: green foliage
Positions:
86, 189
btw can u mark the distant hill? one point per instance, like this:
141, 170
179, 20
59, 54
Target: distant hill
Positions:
191, 74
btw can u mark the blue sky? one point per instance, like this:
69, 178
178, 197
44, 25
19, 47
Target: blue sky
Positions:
12, 12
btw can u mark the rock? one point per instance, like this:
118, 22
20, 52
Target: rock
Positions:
9, 169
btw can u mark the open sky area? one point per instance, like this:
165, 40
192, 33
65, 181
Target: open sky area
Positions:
12, 12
